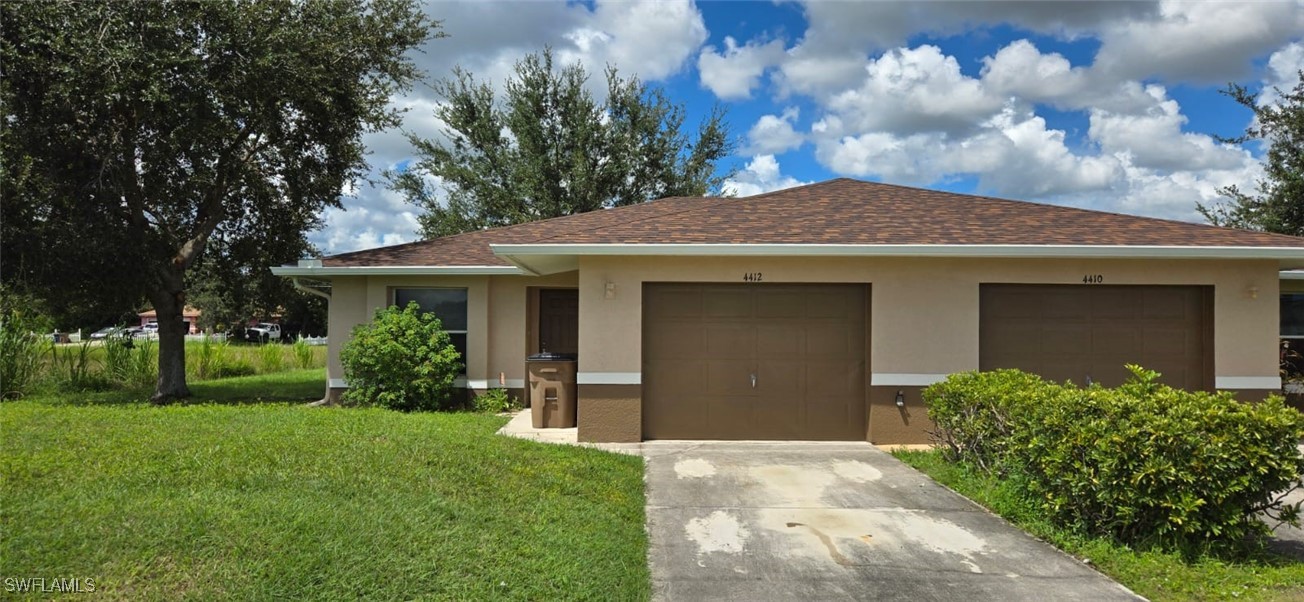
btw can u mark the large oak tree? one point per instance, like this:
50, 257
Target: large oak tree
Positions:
546, 148
135, 133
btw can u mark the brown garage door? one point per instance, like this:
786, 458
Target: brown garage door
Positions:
754, 361
1090, 331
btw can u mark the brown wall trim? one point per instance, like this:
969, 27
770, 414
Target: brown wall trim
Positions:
892, 425
611, 413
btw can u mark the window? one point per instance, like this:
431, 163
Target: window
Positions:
1292, 316
448, 304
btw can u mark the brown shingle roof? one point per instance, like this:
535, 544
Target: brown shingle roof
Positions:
836, 212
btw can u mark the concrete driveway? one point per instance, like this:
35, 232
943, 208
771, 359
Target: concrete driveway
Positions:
842, 521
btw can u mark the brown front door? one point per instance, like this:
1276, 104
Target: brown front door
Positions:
1072, 332
559, 323
754, 361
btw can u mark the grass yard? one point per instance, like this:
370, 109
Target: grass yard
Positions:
1155, 575
226, 500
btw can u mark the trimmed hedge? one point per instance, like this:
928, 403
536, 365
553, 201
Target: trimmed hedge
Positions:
1143, 463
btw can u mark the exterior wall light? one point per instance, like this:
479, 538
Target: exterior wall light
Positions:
1252, 292
900, 399
609, 292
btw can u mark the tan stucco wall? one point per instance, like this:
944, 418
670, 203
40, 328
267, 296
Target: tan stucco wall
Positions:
924, 312
495, 317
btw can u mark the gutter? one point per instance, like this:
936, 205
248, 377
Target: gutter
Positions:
308, 289
508, 251
320, 271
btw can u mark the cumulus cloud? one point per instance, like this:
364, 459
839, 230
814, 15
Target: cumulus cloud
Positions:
1283, 72
1154, 138
1208, 42
761, 175
650, 39
735, 72
773, 134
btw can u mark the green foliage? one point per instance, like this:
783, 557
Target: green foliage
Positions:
1144, 463
1279, 205
271, 357
303, 356
21, 350
71, 369
494, 401
975, 413
209, 358
547, 148
401, 360
159, 132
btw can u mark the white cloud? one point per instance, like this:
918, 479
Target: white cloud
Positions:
1198, 41
1283, 72
1154, 138
773, 134
914, 90
761, 175
733, 73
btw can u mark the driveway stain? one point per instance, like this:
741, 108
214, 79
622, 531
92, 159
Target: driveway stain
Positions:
694, 468
834, 553
718, 532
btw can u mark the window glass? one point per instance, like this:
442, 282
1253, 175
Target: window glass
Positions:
448, 304
1292, 315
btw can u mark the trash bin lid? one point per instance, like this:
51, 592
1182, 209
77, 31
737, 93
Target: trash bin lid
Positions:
550, 356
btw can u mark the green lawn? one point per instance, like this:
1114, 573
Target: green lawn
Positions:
228, 500
1155, 575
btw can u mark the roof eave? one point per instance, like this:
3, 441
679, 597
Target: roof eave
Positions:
327, 272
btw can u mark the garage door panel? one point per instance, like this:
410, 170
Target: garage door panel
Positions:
781, 305
728, 340
832, 340
728, 377
834, 378
668, 338
667, 303
779, 340
1165, 328
726, 303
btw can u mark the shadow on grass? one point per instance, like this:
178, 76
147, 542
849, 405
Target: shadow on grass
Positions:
294, 387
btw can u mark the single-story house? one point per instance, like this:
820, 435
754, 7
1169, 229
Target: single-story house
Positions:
188, 314
820, 312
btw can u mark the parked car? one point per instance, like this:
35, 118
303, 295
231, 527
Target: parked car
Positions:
263, 332
108, 332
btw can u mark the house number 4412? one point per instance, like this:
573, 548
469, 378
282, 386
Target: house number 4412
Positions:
752, 277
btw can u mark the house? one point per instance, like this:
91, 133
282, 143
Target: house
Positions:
189, 314
820, 312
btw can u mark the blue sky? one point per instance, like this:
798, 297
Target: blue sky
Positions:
1104, 105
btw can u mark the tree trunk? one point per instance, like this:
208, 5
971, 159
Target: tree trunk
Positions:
171, 346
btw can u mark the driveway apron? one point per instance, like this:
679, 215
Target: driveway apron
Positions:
839, 521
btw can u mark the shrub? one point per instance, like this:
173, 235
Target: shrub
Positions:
233, 369
302, 352
1144, 464
117, 358
493, 401
974, 413
271, 358
71, 369
142, 364
210, 358
402, 360
21, 350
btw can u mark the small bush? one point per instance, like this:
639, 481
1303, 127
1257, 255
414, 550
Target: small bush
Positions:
142, 364
401, 360
233, 369
71, 369
974, 413
494, 401
1144, 464
209, 358
271, 358
302, 352
117, 358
